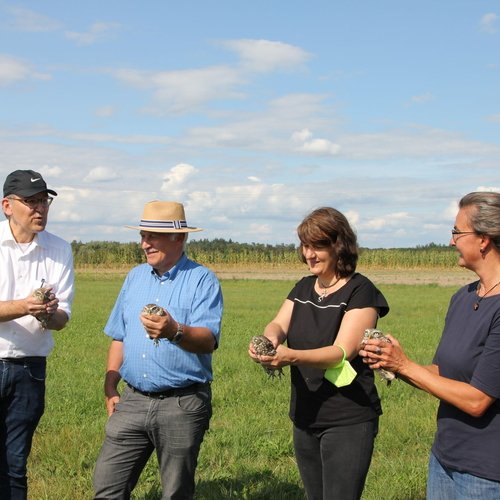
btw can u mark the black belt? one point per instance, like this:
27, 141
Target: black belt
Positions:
26, 359
178, 391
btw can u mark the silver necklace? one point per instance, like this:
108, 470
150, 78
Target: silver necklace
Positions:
325, 288
476, 304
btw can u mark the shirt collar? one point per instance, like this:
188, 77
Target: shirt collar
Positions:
6, 236
172, 272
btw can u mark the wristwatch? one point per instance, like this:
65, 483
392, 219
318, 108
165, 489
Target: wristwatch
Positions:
178, 334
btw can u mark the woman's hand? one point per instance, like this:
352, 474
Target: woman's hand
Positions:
252, 353
262, 347
280, 359
389, 356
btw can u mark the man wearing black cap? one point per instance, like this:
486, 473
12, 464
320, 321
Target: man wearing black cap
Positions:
30, 258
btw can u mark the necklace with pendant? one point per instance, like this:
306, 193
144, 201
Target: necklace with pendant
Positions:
478, 301
325, 288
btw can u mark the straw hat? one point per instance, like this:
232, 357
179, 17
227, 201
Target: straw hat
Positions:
164, 217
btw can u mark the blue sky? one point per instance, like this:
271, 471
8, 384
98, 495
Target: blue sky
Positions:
253, 113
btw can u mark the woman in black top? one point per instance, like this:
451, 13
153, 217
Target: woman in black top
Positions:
324, 316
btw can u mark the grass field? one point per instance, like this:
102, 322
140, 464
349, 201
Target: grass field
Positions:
247, 453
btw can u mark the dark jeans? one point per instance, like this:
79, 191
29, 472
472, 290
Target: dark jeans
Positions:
333, 462
173, 425
22, 400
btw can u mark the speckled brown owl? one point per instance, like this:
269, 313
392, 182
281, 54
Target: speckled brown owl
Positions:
263, 346
154, 310
373, 333
42, 294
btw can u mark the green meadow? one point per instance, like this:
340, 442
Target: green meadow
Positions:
248, 453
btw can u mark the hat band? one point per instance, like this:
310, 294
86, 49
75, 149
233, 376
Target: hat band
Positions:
163, 224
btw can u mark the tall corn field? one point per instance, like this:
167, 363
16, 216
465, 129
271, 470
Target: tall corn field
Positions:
221, 252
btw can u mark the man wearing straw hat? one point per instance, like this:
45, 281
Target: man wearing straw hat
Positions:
163, 353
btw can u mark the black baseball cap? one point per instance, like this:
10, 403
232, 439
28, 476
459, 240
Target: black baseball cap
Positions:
25, 183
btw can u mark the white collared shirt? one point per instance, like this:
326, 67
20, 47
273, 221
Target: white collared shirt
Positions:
22, 270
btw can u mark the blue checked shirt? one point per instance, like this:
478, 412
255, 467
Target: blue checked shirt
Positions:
192, 295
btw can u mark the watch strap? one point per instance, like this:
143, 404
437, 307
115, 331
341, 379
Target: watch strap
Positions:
178, 334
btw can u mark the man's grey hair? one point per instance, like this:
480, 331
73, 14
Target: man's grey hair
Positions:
175, 237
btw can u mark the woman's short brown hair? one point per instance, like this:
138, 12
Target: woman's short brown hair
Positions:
327, 228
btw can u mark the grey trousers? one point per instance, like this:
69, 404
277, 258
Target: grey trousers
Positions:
173, 426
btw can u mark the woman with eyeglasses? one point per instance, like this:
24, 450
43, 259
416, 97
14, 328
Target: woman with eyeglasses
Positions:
465, 372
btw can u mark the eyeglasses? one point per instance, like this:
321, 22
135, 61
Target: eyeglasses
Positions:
34, 203
456, 232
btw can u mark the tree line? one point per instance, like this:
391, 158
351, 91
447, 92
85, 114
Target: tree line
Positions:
227, 252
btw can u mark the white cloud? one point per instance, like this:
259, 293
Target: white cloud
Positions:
112, 138
302, 135
450, 211
202, 201
101, 174
27, 20
175, 181
266, 55
300, 104
488, 189
183, 91
221, 219
224, 201
414, 142
253, 178
100, 203
260, 229
290, 116
51, 172
84, 137
318, 147
494, 118
488, 23
387, 220
375, 223
13, 70
352, 216
96, 32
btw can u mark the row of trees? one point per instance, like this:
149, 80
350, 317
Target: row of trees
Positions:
227, 252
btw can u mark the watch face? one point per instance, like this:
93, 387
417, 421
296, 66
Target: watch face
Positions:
177, 338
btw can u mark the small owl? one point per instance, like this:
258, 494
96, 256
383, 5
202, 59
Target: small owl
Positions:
373, 333
263, 346
154, 310
43, 294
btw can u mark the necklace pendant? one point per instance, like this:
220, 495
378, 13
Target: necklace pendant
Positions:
320, 298
476, 304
